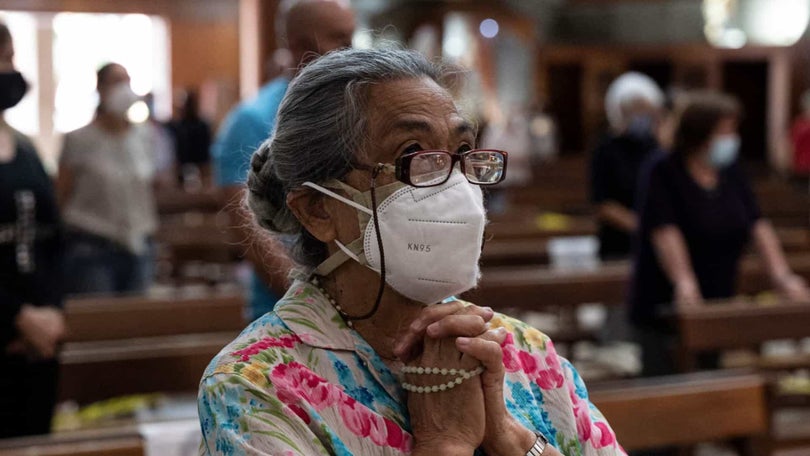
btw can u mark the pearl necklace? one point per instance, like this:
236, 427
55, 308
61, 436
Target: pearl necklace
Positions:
344, 315
463, 375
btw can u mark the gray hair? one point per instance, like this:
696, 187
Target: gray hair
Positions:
320, 131
626, 89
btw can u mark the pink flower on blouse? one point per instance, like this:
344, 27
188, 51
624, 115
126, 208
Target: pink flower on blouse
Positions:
286, 341
354, 418
604, 437
511, 360
295, 383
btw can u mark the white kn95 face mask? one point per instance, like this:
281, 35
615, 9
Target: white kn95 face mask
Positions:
431, 236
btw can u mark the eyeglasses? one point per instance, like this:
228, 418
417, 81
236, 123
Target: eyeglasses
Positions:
428, 168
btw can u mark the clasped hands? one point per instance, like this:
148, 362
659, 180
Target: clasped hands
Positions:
472, 414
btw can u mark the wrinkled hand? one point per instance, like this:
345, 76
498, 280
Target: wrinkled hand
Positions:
687, 294
794, 288
42, 328
504, 435
448, 422
450, 319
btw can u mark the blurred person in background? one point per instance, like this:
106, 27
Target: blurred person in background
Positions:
309, 28
106, 174
800, 137
31, 321
697, 215
192, 138
633, 106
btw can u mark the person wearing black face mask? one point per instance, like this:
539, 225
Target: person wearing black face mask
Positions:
633, 104
31, 321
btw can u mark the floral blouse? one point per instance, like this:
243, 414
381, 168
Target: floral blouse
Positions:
298, 381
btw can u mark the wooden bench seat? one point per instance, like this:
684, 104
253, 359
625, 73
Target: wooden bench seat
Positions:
532, 287
683, 410
92, 371
109, 318
100, 442
741, 324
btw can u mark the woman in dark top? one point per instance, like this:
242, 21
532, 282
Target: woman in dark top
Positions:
633, 105
697, 214
31, 322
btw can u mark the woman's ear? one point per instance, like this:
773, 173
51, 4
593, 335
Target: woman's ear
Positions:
309, 209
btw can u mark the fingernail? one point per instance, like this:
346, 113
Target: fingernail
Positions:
489, 310
463, 341
433, 329
501, 331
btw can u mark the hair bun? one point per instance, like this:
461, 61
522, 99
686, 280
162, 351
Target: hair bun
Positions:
267, 197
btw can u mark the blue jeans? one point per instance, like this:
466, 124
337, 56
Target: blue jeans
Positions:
96, 265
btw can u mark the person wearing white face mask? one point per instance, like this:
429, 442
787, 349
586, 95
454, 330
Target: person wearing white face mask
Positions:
697, 215
375, 174
106, 174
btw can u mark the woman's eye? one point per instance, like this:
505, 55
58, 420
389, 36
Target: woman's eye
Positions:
463, 148
412, 148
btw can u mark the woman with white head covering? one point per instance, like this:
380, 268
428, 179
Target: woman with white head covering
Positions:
633, 106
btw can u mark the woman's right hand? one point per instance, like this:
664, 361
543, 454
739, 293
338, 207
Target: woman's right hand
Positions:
42, 328
450, 422
687, 294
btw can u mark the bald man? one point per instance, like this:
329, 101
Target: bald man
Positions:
308, 29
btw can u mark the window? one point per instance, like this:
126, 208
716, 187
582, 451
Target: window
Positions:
63, 95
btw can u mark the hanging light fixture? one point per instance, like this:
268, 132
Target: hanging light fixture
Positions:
735, 23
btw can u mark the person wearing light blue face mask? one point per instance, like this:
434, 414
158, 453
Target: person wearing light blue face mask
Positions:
697, 215
724, 150
633, 106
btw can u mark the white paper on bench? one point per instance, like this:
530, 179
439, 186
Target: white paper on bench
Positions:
171, 438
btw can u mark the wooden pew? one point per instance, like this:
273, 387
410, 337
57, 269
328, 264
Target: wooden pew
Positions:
532, 287
92, 371
130, 345
111, 318
101, 442
176, 201
683, 410
741, 325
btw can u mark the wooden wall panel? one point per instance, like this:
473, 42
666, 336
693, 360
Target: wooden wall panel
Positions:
203, 51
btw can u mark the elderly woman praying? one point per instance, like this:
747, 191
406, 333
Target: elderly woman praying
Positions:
375, 172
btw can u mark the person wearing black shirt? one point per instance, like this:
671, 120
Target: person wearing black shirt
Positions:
192, 137
31, 322
633, 105
697, 214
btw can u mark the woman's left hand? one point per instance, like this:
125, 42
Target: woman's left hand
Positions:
504, 435
451, 319
794, 288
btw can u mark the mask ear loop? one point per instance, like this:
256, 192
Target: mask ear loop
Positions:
374, 173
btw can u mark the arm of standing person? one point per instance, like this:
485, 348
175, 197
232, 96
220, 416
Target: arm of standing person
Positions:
658, 220
789, 284
42, 327
242, 133
673, 256
617, 215
608, 210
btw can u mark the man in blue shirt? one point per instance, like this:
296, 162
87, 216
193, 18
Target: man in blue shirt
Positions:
310, 28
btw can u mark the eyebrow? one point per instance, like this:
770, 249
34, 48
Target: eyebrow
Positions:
419, 125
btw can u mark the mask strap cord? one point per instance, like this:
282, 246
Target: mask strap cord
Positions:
374, 173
